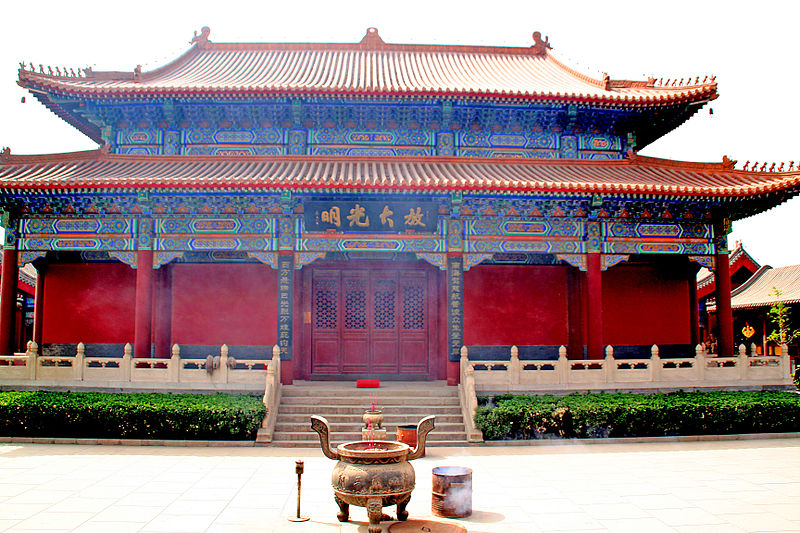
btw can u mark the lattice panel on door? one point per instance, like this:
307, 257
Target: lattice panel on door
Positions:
413, 307
325, 303
355, 307
384, 303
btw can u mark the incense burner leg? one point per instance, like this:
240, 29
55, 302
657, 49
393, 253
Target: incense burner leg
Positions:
402, 514
375, 512
344, 509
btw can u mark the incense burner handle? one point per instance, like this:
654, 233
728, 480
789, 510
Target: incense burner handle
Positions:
423, 428
320, 425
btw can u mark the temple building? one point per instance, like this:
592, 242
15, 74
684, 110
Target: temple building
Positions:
370, 208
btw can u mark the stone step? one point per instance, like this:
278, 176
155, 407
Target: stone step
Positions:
388, 420
382, 403
308, 392
411, 409
315, 443
345, 427
349, 436
432, 388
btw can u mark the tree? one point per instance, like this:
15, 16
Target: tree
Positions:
780, 316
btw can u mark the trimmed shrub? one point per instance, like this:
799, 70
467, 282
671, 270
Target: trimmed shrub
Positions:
638, 415
130, 416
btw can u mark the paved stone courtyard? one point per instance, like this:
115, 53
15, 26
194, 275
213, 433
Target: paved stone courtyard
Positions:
711, 486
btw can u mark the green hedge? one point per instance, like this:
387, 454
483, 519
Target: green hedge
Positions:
638, 415
130, 416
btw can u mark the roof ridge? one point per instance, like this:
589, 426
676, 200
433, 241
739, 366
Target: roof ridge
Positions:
758, 274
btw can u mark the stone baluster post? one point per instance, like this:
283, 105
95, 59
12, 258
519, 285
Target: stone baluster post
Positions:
223, 364
742, 363
78, 363
700, 361
655, 364
127, 362
562, 365
786, 367
33, 359
610, 365
514, 367
175, 364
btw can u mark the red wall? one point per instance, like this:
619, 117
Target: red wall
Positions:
90, 303
216, 304
644, 304
522, 305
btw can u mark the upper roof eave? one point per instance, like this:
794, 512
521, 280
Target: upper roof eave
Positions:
583, 88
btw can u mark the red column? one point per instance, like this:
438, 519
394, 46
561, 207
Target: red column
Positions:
144, 303
8, 300
722, 279
38, 306
694, 320
594, 305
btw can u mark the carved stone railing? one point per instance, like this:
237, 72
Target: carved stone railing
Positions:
272, 397
693, 371
32, 368
468, 398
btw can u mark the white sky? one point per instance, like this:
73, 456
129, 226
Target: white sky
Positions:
748, 45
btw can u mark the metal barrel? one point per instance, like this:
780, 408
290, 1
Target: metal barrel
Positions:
451, 495
407, 434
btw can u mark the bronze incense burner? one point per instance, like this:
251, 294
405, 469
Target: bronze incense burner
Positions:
372, 474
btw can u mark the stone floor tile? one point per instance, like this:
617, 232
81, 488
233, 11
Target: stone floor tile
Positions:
565, 522
688, 516
21, 511
615, 511
54, 521
164, 523
787, 511
757, 522
725, 506
94, 526
37, 496
637, 525
710, 528
5, 524
195, 507
75, 504
657, 501
124, 512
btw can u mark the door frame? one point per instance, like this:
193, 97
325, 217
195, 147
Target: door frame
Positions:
432, 310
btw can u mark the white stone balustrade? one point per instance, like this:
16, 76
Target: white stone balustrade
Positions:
693, 371
468, 398
272, 397
30, 368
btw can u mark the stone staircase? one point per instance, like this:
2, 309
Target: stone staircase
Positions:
342, 404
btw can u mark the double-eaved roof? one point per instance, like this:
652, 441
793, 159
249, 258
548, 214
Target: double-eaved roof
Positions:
370, 68
373, 68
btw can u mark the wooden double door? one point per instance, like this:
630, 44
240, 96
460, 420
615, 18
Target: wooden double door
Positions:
371, 320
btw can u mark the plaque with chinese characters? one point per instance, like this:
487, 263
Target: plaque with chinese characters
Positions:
371, 216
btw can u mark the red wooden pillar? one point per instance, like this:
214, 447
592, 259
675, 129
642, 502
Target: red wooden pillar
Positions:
8, 300
694, 319
722, 279
38, 306
143, 323
594, 305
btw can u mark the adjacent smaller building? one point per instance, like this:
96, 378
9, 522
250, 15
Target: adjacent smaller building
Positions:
752, 299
